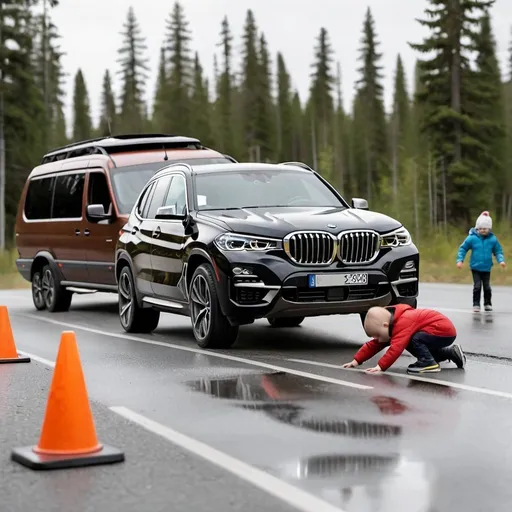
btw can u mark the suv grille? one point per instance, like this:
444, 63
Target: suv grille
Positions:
311, 248
358, 246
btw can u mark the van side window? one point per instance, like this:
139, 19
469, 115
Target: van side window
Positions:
68, 198
38, 203
98, 192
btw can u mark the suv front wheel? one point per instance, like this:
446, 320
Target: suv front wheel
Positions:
211, 328
133, 318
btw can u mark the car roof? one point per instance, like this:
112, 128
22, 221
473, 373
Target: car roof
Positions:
238, 166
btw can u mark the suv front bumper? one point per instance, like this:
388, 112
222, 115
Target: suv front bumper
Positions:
273, 287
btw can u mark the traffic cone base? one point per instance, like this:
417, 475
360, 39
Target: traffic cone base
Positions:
15, 360
26, 456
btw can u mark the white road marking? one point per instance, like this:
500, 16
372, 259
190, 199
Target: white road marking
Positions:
484, 391
465, 311
41, 360
282, 490
200, 351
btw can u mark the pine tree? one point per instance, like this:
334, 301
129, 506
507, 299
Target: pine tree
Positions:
341, 176
251, 72
225, 91
372, 158
284, 112
508, 140
450, 91
81, 110
200, 103
159, 107
50, 76
490, 109
321, 104
108, 117
23, 109
399, 128
266, 111
177, 97
134, 72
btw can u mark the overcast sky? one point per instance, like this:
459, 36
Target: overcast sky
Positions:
90, 31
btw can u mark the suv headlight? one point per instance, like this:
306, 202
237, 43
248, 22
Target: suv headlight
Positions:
236, 242
397, 238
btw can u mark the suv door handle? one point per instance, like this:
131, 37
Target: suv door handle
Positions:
77, 232
157, 232
86, 232
135, 230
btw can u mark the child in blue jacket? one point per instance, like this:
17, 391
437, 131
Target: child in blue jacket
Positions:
483, 244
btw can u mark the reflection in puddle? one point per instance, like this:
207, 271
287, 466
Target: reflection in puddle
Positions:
323, 466
263, 393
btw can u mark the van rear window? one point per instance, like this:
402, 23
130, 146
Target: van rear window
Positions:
38, 203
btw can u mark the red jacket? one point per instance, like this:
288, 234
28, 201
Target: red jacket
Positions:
405, 322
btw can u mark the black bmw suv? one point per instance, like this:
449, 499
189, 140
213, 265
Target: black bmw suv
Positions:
229, 243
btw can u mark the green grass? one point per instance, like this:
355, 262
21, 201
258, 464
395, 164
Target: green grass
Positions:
437, 262
10, 278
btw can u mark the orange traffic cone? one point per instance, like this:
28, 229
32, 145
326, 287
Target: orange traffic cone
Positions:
68, 436
8, 352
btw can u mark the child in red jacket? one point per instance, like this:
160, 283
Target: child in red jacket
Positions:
427, 334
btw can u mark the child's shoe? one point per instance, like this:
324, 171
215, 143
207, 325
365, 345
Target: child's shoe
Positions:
419, 367
488, 308
458, 356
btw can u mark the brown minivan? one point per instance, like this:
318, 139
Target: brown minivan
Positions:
75, 202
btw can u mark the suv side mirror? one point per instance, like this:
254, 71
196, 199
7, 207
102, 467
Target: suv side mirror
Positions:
169, 212
359, 203
97, 212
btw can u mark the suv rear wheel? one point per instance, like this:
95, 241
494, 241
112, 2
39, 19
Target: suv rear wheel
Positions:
56, 297
133, 318
286, 322
211, 328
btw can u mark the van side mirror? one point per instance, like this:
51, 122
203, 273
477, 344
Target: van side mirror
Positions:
169, 212
97, 212
359, 203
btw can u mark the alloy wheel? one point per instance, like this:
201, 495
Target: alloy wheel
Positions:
37, 291
125, 300
48, 288
201, 307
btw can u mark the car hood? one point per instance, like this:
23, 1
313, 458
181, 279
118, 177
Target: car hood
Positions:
279, 221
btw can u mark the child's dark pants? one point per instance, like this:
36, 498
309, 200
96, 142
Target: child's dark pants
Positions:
479, 279
430, 349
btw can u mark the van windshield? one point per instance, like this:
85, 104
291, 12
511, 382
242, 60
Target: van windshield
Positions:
128, 181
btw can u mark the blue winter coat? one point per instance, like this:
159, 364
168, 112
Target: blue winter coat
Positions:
482, 248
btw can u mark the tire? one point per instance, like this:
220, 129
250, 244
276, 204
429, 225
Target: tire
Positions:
56, 297
133, 318
285, 322
211, 328
37, 290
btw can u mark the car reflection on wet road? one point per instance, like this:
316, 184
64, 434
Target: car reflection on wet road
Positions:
279, 402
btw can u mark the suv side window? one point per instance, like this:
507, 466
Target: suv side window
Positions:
177, 195
143, 207
162, 185
98, 192
68, 197
38, 202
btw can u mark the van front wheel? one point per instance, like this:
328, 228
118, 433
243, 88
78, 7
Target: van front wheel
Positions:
56, 297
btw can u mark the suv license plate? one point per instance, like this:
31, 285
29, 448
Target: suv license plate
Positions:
329, 280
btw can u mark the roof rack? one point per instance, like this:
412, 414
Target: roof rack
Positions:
123, 142
298, 164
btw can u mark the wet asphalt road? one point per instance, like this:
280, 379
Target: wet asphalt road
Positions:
358, 442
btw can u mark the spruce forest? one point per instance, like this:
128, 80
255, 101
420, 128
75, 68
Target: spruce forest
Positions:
435, 161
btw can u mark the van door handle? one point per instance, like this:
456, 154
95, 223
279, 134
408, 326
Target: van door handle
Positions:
77, 232
157, 232
86, 232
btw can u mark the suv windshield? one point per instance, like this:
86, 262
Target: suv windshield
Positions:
128, 181
259, 189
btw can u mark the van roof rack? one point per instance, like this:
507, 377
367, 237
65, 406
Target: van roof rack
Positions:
298, 164
123, 142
